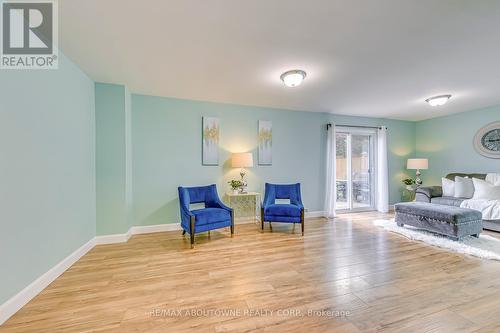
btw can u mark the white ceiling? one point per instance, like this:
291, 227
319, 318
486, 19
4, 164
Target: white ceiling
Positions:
379, 58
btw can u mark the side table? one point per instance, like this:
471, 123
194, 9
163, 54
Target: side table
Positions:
246, 206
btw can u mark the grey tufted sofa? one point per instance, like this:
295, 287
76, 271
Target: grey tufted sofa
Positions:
434, 194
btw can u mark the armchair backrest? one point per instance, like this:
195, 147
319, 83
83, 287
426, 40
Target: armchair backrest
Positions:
198, 194
283, 191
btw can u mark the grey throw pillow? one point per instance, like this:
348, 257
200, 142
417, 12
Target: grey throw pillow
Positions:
464, 187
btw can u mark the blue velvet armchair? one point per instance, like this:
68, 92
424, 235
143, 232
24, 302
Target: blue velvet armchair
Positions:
288, 213
215, 215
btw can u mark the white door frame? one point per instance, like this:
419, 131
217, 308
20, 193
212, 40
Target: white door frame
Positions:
372, 134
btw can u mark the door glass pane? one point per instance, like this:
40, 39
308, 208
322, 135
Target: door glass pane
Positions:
360, 171
341, 171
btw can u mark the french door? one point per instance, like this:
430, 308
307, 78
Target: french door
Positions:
355, 169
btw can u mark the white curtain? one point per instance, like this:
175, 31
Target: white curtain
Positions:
382, 171
331, 187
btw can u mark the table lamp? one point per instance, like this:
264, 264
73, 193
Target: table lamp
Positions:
242, 160
417, 164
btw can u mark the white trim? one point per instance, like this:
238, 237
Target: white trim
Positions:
19, 300
318, 213
112, 239
148, 229
137, 230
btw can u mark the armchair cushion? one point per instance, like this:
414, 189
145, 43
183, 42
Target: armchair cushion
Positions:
285, 219
282, 210
447, 201
211, 215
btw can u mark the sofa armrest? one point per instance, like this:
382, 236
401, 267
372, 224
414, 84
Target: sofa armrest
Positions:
426, 193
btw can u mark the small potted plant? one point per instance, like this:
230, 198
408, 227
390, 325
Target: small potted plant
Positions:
236, 185
410, 184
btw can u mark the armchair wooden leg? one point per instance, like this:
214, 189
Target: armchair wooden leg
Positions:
271, 226
302, 220
262, 218
192, 231
209, 234
183, 232
232, 224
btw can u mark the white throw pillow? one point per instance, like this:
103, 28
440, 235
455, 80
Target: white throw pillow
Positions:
484, 190
464, 187
493, 178
448, 187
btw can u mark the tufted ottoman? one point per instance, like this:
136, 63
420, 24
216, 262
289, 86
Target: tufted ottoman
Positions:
451, 221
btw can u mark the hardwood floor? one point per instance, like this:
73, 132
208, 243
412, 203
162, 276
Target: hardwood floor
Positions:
342, 276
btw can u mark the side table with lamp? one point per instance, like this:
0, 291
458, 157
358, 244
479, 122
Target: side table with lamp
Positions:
408, 193
242, 160
417, 164
246, 204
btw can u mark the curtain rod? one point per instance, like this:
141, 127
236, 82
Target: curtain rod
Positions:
359, 126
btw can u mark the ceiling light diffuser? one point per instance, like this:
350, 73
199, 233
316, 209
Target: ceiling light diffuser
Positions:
438, 100
293, 78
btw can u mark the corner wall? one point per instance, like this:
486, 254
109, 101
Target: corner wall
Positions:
448, 144
113, 159
47, 170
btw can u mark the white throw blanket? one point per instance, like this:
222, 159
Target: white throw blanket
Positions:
489, 208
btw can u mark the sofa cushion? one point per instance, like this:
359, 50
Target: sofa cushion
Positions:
447, 201
282, 210
211, 215
493, 178
451, 176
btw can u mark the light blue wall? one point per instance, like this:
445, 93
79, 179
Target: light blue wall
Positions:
166, 141
448, 144
47, 170
113, 159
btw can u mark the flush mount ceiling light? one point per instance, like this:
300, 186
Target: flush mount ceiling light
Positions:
293, 78
438, 100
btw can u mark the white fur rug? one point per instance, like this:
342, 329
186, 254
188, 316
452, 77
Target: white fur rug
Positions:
485, 246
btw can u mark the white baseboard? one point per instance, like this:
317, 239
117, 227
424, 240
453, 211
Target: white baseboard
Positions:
112, 239
136, 230
147, 229
318, 213
19, 300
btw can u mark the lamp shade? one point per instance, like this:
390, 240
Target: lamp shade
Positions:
417, 164
242, 160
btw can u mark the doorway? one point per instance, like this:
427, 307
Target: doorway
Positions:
355, 169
